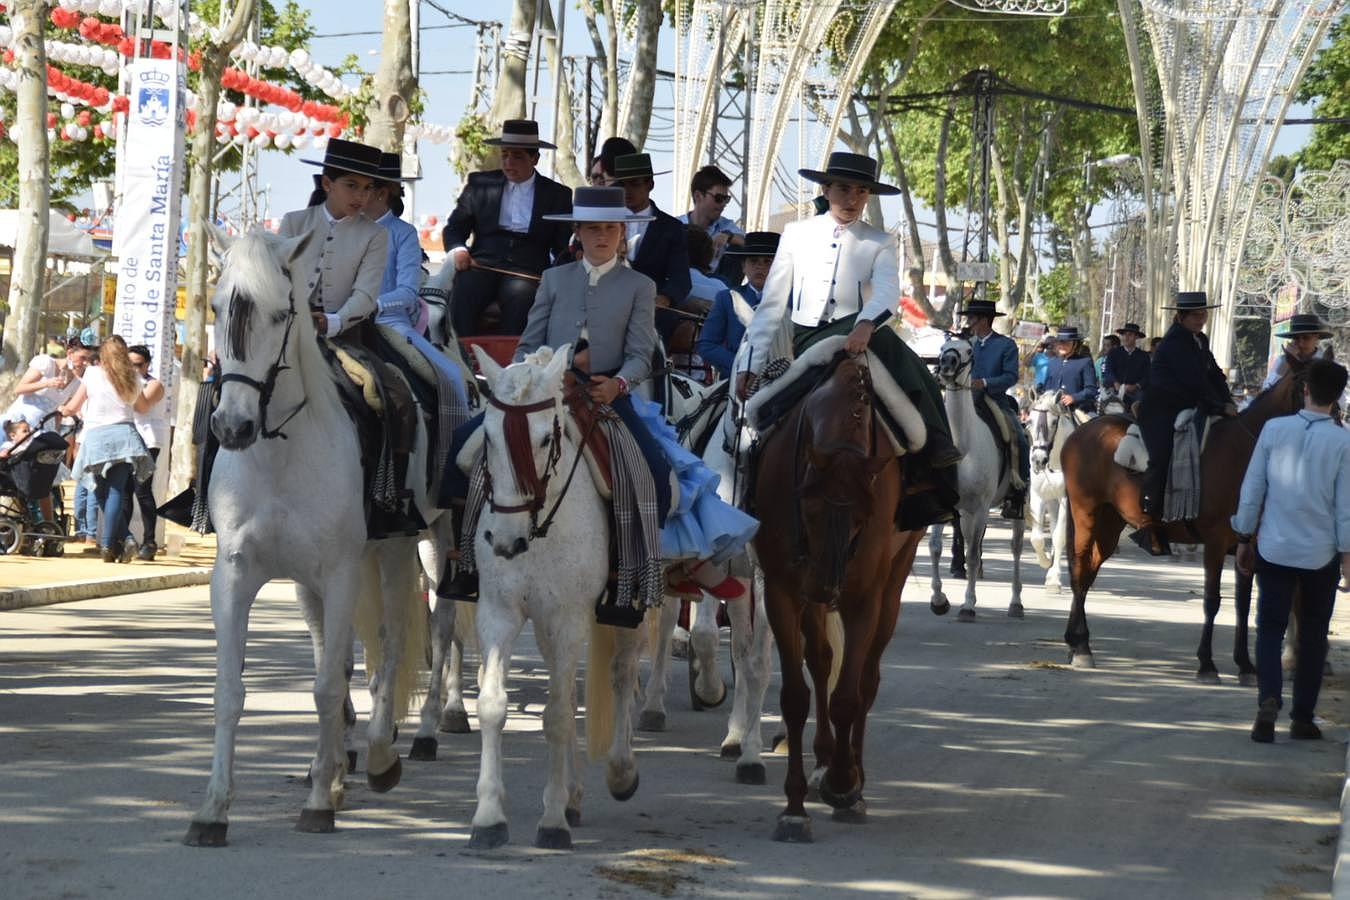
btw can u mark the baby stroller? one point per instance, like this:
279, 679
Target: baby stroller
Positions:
26, 475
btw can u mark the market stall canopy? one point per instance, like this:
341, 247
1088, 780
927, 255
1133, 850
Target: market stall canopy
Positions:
64, 238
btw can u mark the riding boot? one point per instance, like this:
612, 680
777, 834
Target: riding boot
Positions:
463, 585
941, 451
1149, 536
1014, 504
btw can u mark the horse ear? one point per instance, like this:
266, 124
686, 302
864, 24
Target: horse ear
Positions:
562, 358
291, 248
488, 366
218, 241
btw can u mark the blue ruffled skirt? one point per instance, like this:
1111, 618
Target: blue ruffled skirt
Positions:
700, 525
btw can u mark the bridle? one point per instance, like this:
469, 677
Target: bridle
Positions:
956, 369
520, 454
1054, 415
268, 385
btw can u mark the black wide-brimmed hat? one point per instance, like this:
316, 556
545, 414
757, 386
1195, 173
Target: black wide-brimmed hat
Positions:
757, 243
1192, 300
598, 204
349, 156
1131, 328
981, 308
634, 165
391, 168
521, 133
1305, 323
850, 168
1067, 333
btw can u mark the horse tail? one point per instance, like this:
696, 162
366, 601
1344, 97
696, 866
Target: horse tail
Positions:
653, 624
600, 691
406, 601
466, 625
834, 634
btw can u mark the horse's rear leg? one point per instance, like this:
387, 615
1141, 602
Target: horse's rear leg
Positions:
653, 716
938, 602
498, 625
1094, 534
1059, 523
707, 690
1015, 608
454, 717
442, 634
1242, 603
793, 824
751, 649
396, 576
232, 593
1215, 552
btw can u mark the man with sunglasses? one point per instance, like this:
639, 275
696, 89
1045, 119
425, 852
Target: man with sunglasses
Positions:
711, 192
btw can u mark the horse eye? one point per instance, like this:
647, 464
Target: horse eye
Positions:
279, 317
544, 442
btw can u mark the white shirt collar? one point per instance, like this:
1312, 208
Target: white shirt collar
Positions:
518, 185
332, 220
594, 273
388, 214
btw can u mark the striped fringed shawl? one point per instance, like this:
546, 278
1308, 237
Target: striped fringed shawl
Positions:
1182, 499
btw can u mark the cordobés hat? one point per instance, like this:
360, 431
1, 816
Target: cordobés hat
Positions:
1131, 328
981, 308
1304, 323
757, 243
349, 156
850, 168
1067, 333
391, 168
634, 165
598, 204
1192, 300
523, 133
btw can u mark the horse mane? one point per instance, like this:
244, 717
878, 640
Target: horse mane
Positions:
1294, 376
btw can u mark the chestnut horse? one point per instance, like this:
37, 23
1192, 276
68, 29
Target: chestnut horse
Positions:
831, 542
1103, 497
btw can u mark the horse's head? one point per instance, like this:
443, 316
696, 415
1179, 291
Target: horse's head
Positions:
256, 319
1046, 414
954, 362
523, 433
844, 455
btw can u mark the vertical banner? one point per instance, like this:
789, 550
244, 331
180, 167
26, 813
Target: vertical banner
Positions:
145, 236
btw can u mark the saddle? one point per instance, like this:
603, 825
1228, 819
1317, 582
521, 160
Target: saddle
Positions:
1131, 453
1001, 424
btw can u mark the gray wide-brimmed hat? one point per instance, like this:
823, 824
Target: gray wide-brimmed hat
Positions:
850, 168
1192, 300
1305, 323
349, 156
520, 133
598, 204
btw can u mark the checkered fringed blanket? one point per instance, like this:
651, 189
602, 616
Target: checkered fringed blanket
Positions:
1182, 499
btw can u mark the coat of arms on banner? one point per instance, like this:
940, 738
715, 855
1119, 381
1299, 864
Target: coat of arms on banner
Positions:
152, 98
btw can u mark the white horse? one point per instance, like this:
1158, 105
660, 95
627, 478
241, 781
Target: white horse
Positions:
751, 639
551, 576
980, 479
1051, 424
293, 508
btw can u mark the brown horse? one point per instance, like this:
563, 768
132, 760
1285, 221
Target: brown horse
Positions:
1104, 497
826, 492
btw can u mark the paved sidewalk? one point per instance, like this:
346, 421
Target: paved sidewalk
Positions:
81, 575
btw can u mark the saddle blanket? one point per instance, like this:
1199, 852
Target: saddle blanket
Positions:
1131, 453
999, 421
767, 403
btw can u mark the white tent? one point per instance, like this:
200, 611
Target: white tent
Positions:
64, 238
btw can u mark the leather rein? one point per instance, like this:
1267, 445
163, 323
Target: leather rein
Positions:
268, 385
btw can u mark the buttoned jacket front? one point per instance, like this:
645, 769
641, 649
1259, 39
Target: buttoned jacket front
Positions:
341, 268
618, 314
818, 276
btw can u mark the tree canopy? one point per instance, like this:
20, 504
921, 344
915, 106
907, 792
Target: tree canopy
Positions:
1327, 82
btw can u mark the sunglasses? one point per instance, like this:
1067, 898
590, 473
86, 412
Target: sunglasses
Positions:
720, 198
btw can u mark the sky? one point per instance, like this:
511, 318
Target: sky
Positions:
447, 55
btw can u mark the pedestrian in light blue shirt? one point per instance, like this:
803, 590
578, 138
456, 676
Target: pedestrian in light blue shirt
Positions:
1295, 506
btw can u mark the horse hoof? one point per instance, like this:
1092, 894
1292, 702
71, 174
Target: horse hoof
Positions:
731, 751
1083, 660
839, 801
652, 720
965, 615
423, 749
1207, 676
488, 838
751, 773
959, 573
387, 780
940, 607
1247, 679
793, 830
573, 817
853, 815
206, 834
455, 722
779, 744
628, 792
553, 839
813, 782
1017, 611
316, 821
351, 761
700, 704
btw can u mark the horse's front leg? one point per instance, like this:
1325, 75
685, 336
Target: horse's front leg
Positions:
1059, 522
842, 785
397, 575
621, 773
823, 655
498, 624
561, 642
793, 824
311, 606
1036, 509
454, 717
1015, 608
1242, 603
751, 649
937, 602
972, 527
707, 690
1214, 559
234, 585
424, 743
653, 717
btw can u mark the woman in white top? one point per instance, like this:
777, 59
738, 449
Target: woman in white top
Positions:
153, 427
48, 382
112, 455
